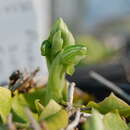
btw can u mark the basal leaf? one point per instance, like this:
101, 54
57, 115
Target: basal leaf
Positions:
18, 107
113, 121
111, 103
50, 109
5, 103
31, 97
110, 121
95, 122
3, 127
57, 121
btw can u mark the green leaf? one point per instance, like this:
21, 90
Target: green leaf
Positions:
43, 47
95, 122
57, 121
70, 69
128, 126
57, 43
3, 127
30, 97
111, 103
5, 103
20, 101
18, 107
73, 54
113, 121
39, 106
50, 109
97, 51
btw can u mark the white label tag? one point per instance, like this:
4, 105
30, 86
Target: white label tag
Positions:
19, 47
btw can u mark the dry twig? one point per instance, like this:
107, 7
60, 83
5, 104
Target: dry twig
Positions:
85, 115
22, 82
33, 122
75, 122
70, 95
10, 124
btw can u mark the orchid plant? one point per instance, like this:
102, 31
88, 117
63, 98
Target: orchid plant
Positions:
62, 54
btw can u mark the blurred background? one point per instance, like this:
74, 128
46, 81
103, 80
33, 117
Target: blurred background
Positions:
103, 26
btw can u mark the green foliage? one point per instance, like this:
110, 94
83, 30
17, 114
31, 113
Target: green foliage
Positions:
18, 108
32, 96
113, 121
113, 108
111, 103
95, 122
109, 121
51, 108
57, 121
97, 51
18, 104
3, 127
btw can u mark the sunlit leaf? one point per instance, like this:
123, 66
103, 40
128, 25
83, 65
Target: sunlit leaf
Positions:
18, 107
5, 103
95, 122
110, 121
50, 109
111, 103
113, 121
57, 121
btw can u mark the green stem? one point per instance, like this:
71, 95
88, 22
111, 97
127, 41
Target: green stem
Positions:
56, 81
